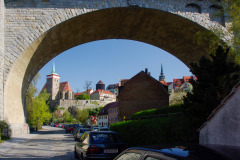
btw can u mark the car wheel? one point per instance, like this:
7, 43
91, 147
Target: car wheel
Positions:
82, 158
75, 154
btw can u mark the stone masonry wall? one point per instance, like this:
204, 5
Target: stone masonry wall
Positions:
2, 9
77, 103
27, 20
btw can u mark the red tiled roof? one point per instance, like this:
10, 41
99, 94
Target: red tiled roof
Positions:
187, 78
77, 94
168, 83
178, 82
163, 82
65, 86
103, 91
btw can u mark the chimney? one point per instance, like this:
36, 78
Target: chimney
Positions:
146, 70
149, 73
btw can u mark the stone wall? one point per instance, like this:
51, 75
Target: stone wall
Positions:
2, 10
27, 20
78, 103
223, 127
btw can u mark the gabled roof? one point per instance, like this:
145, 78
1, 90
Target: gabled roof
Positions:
223, 102
103, 91
178, 82
65, 86
188, 78
104, 110
149, 76
113, 105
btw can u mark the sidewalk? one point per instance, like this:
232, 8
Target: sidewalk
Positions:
14, 141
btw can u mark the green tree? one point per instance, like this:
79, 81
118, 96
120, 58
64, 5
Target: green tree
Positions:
83, 96
177, 97
66, 116
82, 115
94, 111
231, 10
36, 106
215, 78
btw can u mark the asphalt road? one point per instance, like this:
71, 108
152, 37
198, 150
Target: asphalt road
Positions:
50, 143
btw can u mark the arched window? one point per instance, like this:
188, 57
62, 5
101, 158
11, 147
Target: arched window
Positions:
192, 7
217, 14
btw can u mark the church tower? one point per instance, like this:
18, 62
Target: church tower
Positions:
162, 76
53, 82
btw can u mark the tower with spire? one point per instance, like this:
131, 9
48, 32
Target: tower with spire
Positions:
162, 76
53, 82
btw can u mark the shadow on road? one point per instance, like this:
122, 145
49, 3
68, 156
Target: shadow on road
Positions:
67, 156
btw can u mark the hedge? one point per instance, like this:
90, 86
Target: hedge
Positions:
166, 110
172, 129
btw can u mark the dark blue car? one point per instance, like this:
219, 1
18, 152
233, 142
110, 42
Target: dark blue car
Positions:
180, 152
99, 145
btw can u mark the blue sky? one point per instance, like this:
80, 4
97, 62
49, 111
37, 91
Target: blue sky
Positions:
110, 61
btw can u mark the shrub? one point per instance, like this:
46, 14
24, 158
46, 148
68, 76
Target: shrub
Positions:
172, 129
166, 110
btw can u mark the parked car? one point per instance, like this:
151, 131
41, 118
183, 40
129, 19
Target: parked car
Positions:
173, 152
74, 132
80, 132
95, 128
103, 129
71, 127
99, 145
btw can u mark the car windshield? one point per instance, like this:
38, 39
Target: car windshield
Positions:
84, 130
99, 138
104, 129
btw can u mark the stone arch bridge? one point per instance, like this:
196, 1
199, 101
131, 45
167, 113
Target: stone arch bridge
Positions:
32, 32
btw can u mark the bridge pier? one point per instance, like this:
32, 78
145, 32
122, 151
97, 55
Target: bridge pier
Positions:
2, 18
18, 129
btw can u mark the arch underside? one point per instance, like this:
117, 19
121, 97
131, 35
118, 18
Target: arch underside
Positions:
165, 30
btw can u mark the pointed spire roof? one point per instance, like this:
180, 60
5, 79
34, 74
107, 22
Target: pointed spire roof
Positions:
162, 70
100, 82
53, 69
162, 76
